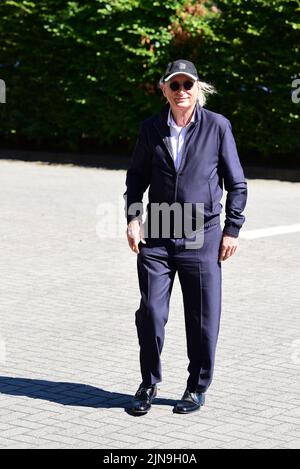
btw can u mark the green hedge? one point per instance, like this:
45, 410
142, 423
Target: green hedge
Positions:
80, 72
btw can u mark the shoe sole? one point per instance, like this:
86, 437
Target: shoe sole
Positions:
138, 412
176, 411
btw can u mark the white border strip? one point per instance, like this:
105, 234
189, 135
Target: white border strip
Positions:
272, 231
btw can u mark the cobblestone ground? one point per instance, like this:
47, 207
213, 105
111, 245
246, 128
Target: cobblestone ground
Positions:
68, 347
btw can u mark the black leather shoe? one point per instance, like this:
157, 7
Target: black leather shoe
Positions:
190, 402
141, 403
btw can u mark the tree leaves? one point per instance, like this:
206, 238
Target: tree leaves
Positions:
91, 69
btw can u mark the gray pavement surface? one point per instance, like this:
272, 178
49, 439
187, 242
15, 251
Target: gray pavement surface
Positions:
68, 346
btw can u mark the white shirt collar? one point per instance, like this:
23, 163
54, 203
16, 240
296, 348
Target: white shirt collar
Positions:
171, 122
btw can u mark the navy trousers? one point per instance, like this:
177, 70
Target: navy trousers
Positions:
199, 272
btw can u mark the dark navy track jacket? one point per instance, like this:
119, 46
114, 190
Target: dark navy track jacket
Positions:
209, 159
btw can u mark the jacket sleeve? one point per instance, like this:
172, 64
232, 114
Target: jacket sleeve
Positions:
137, 178
234, 183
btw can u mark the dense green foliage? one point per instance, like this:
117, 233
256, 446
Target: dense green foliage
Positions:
88, 71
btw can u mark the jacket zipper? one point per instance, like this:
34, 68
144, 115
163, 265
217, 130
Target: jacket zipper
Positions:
166, 143
182, 159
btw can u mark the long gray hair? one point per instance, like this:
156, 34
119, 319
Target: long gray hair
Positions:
204, 90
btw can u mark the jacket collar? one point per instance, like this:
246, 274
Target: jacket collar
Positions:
161, 123
171, 122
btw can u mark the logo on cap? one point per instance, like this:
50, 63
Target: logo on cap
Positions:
182, 66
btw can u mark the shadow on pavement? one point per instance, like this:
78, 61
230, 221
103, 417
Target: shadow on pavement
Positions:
75, 159
289, 172
75, 394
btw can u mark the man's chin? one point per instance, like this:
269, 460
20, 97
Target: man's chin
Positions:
183, 104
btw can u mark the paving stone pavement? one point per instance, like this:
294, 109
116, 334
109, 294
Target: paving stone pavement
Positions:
68, 346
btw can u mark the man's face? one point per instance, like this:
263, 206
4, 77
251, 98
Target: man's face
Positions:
181, 98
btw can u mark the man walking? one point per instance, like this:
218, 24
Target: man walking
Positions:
184, 154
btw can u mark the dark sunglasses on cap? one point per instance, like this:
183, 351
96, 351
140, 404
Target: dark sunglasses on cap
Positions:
187, 85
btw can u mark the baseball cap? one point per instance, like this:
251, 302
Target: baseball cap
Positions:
180, 67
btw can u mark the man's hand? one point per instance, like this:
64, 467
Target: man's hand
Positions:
135, 234
228, 246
